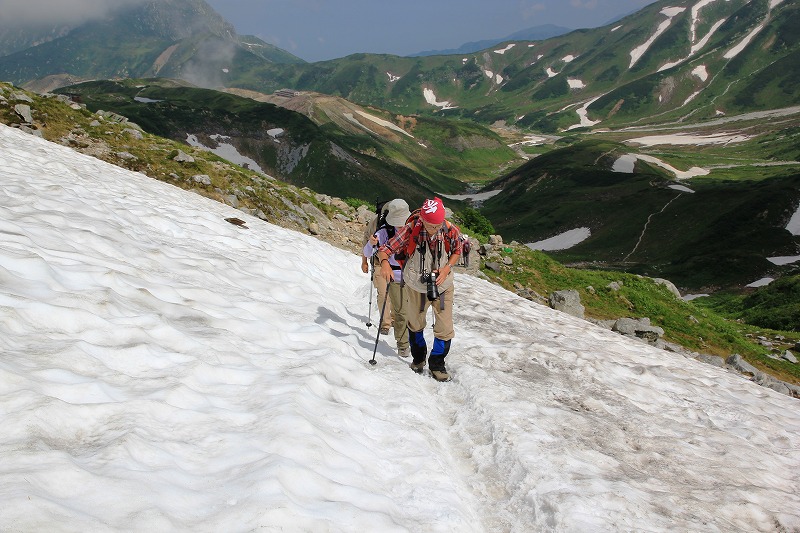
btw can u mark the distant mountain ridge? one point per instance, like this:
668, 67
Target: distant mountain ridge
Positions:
184, 39
536, 33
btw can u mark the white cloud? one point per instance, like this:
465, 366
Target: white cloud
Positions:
46, 12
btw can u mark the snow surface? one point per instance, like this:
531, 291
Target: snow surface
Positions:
225, 151
430, 97
626, 164
385, 123
562, 241
794, 223
670, 12
583, 114
681, 188
701, 72
506, 49
687, 139
784, 259
144, 100
478, 196
741, 45
164, 370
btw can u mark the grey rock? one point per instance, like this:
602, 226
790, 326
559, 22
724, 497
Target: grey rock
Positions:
568, 301
31, 131
202, 179
669, 285
183, 157
136, 134
496, 240
24, 111
738, 363
711, 360
639, 328
22, 97
323, 222
494, 267
789, 356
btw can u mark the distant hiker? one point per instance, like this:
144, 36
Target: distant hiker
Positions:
367, 261
431, 246
396, 215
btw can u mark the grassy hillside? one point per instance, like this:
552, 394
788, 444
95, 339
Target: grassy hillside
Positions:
344, 151
703, 234
304, 154
775, 306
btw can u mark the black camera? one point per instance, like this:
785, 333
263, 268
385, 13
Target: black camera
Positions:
432, 289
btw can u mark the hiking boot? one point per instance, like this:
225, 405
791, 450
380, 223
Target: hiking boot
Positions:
418, 367
403, 352
385, 330
440, 375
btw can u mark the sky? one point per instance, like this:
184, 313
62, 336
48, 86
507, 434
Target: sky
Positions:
317, 30
164, 370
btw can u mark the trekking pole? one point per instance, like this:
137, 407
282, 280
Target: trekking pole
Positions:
371, 284
383, 308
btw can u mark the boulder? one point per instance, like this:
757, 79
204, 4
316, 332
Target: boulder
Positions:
568, 301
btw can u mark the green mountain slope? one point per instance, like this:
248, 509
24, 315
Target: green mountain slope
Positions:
150, 38
355, 161
703, 234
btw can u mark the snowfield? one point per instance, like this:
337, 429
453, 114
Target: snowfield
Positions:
164, 370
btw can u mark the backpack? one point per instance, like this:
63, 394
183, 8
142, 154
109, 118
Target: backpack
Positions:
378, 222
448, 245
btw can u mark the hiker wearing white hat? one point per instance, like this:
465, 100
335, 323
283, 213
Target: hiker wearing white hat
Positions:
395, 213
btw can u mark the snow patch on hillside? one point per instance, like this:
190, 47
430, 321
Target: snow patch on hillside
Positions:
701, 72
384, 123
225, 151
430, 97
562, 241
583, 114
679, 174
736, 50
626, 163
679, 139
575, 83
681, 188
784, 260
392, 77
794, 223
475, 197
670, 13
504, 50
